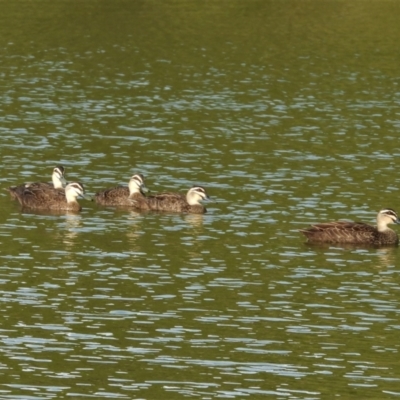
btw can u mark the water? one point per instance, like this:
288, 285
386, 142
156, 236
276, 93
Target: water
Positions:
286, 112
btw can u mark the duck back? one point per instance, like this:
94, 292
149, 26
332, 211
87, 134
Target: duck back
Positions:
118, 196
38, 197
173, 202
349, 232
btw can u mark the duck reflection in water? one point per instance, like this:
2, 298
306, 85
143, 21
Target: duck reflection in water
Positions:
134, 231
195, 220
386, 257
70, 235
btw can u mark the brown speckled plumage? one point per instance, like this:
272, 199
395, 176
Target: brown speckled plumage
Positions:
58, 182
36, 197
121, 195
176, 202
356, 232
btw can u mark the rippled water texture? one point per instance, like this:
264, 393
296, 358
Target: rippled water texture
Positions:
286, 112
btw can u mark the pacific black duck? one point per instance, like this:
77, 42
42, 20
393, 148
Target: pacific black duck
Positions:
176, 202
121, 195
356, 232
58, 182
36, 197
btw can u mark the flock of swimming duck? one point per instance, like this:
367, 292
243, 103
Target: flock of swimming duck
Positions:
60, 195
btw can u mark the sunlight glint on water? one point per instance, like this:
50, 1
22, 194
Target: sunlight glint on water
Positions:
287, 119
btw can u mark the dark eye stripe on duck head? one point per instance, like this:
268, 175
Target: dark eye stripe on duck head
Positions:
200, 191
389, 212
60, 169
78, 186
139, 178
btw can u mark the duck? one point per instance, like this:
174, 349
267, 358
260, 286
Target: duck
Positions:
36, 197
121, 195
176, 202
356, 232
58, 182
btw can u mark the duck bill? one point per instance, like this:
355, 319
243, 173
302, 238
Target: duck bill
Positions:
144, 189
86, 197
